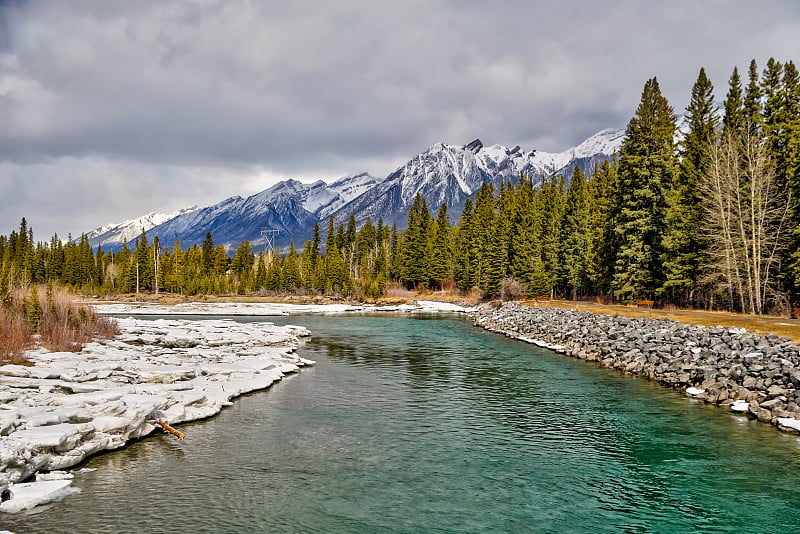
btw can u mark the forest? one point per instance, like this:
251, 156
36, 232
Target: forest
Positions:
701, 213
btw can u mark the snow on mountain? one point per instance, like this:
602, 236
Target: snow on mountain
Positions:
323, 199
441, 174
451, 173
127, 230
290, 206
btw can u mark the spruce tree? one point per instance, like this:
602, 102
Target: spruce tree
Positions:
646, 169
753, 107
601, 238
441, 249
553, 198
464, 269
415, 244
574, 235
208, 254
733, 119
683, 242
523, 232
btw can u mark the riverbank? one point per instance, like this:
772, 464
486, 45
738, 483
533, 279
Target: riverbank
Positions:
67, 406
731, 367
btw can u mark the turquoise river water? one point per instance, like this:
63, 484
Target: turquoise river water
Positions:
428, 424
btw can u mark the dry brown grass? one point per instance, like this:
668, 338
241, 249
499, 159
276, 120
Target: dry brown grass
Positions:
760, 324
15, 338
62, 325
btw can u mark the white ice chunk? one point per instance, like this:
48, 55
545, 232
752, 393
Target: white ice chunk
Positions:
31, 494
740, 406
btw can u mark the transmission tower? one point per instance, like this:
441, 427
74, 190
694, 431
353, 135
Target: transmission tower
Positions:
269, 235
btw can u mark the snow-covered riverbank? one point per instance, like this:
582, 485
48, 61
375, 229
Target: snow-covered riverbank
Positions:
68, 406
266, 308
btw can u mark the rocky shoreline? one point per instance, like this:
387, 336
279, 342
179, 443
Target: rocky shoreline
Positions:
735, 369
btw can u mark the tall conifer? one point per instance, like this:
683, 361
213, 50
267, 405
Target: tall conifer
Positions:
683, 244
646, 169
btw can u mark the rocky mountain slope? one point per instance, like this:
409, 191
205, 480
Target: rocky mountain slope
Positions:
441, 174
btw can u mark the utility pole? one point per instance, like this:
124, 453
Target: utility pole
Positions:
155, 253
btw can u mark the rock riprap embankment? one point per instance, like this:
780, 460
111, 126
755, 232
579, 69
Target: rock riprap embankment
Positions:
757, 375
68, 406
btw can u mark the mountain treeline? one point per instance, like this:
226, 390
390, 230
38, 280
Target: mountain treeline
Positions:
706, 217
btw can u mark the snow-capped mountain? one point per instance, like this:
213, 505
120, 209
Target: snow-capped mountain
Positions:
451, 173
127, 230
290, 206
441, 174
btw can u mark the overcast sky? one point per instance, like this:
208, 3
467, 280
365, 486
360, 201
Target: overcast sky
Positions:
110, 110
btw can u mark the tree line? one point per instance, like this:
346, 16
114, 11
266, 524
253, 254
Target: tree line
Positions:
704, 216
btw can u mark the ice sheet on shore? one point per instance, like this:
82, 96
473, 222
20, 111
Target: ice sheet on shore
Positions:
68, 406
267, 308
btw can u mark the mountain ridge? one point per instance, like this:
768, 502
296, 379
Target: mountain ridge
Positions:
441, 174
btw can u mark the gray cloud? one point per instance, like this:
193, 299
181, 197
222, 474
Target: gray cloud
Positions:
123, 108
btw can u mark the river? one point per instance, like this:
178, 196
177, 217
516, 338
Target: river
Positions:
428, 424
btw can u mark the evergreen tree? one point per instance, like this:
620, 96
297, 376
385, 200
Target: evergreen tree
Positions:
415, 248
733, 120
552, 201
574, 235
441, 252
291, 279
208, 254
601, 240
466, 249
753, 108
646, 169
525, 226
683, 243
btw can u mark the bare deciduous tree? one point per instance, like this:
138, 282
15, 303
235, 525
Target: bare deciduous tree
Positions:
745, 223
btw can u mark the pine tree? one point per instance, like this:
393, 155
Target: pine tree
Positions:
788, 169
683, 243
646, 169
523, 232
483, 228
601, 238
291, 279
552, 210
733, 120
34, 309
208, 254
753, 108
441, 251
416, 243
574, 235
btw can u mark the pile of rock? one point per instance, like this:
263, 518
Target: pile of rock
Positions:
757, 375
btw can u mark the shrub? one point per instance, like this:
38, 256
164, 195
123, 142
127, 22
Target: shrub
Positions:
61, 326
15, 337
512, 289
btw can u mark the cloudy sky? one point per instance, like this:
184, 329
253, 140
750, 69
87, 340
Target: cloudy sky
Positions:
110, 110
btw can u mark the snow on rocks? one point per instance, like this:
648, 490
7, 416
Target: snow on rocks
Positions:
750, 374
69, 406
